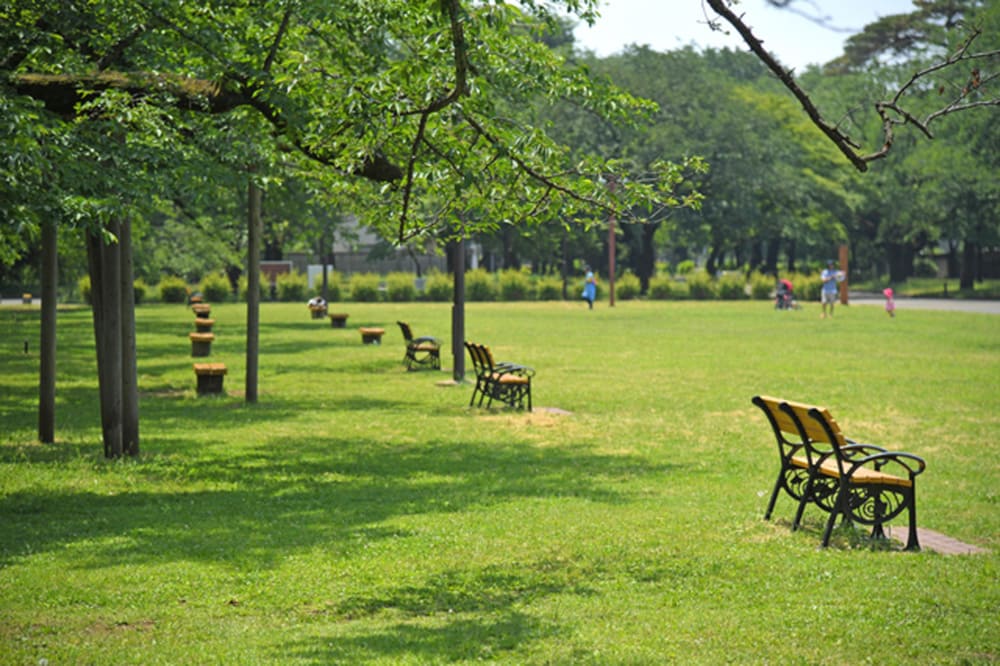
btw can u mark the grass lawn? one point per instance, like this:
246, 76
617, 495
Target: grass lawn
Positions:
362, 514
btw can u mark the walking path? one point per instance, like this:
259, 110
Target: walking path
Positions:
905, 303
940, 543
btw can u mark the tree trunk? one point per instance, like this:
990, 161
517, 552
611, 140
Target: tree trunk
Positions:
790, 249
771, 256
105, 289
967, 275
647, 256
130, 372
712, 263
458, 312
900, 261
47, 343
254, 232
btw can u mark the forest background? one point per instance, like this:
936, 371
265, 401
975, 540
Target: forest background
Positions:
777, 195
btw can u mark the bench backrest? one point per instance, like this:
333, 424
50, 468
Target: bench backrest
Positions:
782, 423
798, 425
478, 359
405, 328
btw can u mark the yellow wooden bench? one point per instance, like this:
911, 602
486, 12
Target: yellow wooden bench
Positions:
421, 352
510, 383
855, 481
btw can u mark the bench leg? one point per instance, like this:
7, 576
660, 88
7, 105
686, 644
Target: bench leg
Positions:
774, 496
912, 542
839, 507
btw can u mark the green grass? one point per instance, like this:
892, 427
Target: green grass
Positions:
362, 514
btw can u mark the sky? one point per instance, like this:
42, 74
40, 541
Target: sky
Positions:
665, 25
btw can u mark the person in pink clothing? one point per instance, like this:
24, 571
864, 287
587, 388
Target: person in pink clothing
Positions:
890, 303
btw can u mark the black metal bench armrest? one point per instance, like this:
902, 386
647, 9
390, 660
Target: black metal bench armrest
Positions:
514, 369
913, 464
425, 338
854, 449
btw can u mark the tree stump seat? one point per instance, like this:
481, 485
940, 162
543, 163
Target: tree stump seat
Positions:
201, 310
201, 343
26, 299
203, 325
210, 377
338, 320
371, 335
317, 311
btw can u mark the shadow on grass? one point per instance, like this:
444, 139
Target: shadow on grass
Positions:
275, 499
461, 639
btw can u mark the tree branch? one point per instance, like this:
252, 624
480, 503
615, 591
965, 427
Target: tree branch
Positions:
846, 145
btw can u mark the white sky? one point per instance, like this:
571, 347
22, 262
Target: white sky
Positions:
665, 25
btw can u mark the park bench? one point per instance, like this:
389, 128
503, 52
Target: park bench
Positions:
338, 320
210, 377
854, 481
422, 352
371, 335
510, 383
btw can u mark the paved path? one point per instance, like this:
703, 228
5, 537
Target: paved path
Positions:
940, 543
904, 303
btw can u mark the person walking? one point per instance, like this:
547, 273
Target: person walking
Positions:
831, 282
590, 289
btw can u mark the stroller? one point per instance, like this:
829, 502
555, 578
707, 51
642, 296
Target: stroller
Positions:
784, 298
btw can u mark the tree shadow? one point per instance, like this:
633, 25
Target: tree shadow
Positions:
333, 492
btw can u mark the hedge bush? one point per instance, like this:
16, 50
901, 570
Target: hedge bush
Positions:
480, 286
439, 287
215, 288
701, 286
364, 287
663, 287
732, 287
762, 286
627, 287
173, 290
549, 288
244, 287
515, 285
139, 289
293, 287
334, 290
399, 287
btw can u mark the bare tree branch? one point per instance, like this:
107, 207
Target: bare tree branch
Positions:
891, 112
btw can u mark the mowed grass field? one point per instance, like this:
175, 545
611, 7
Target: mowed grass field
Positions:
362, 514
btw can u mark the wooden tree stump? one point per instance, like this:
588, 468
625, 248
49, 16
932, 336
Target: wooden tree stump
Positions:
210, 377
201, 343
371, 336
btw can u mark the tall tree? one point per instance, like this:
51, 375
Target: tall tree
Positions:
387, 104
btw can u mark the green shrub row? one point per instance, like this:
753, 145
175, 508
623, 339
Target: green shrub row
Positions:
480, 285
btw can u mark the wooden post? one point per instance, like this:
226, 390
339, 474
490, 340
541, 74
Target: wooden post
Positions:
47, 345
611, 248
843, 269
458, 313
254, 233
